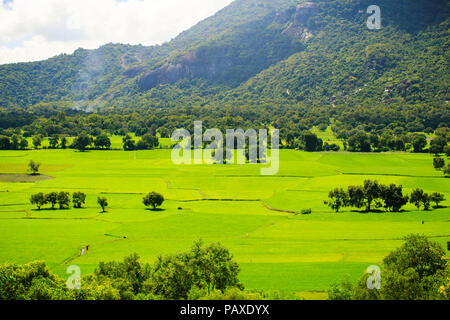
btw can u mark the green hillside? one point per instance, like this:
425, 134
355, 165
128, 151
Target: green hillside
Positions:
317, 57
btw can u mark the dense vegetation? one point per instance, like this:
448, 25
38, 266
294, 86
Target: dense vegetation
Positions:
416, 271
202, 271
257, 63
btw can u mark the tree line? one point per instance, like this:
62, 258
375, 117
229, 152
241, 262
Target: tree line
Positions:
62, 199
373, 194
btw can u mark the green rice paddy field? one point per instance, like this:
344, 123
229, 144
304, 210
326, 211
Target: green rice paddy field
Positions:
230, 204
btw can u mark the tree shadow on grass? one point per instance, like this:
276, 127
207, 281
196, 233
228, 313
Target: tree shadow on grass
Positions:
50, 209
155, 210
379, 211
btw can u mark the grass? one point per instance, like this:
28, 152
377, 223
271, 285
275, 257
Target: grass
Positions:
300, 254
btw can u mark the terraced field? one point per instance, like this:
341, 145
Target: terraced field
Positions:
255, 216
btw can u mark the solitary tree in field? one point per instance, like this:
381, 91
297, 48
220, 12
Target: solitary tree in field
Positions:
63, 200
52, 198
38, 199
103, 202
437, 198
34, 167
78, 199
153, 199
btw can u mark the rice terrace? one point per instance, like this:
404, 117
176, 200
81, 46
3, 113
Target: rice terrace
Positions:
258, 217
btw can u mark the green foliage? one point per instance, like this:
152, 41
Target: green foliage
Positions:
414, 271
207, 268
153, 199
37, 141
205, 272
147, 142
438, 163
52, 198
128, 143
102, 142
32, 281
417, 270
82, 142
263, 71
63, 200
437, 198
338, 199
419, 198
341, 290
103, 203
78, 199
38, 199
389, 196
34, 167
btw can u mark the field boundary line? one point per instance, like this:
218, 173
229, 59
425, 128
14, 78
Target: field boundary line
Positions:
389, 175
265, 204
221, 200
169, 186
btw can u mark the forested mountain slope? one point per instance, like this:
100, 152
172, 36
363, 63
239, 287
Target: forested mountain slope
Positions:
315, 56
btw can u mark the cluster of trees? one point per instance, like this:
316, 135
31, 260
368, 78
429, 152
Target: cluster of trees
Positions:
397, 139
83, 141
40, 199
61, 198
418, 270
439, 147
147, 142
15, 142
390, 197
202, 272
306, 140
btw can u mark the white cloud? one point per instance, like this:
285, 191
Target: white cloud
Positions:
38, 29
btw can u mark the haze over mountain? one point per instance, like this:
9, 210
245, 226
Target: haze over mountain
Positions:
318, 55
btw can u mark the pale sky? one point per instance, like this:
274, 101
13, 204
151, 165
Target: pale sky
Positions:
32, 30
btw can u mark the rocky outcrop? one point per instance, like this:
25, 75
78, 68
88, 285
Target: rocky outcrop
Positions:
297, 28
213, 63
196, 64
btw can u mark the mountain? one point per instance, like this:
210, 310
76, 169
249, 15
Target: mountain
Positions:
315, 56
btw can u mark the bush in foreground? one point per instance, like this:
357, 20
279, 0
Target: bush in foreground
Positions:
417, 270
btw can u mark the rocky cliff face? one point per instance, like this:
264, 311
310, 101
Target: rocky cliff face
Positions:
297, 28
200, 63
189, 66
